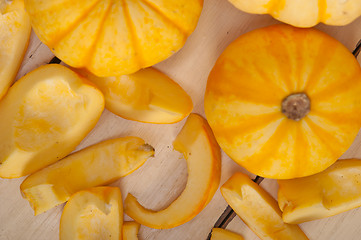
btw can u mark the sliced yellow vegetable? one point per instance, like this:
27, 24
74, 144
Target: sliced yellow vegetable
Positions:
223, 234
202, 153
44, 116
93, 214
96, 165
15, 31
258, 209
333, 191
130, 230
146, 96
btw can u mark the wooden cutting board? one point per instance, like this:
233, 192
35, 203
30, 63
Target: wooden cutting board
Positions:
162, 178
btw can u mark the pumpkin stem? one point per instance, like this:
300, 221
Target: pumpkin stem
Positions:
296, 106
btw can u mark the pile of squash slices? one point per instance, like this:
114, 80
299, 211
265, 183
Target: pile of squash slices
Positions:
282, 101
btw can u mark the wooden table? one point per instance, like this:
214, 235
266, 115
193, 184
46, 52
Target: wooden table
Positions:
162, 178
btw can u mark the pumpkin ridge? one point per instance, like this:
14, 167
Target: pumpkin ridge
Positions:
250, 88
301, 152
53, 44
327, 50
324, 136
338, 87
250, 126
139, 56
268, 149
337, 119
162, 15
269, 80
274, 7
91, 51
322, 5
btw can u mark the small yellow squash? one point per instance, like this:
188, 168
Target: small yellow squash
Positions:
258, 209
284, 102
93, 214
113, 37
333, 191
147, 96
44, 116
304, 13
14, 38
93, 166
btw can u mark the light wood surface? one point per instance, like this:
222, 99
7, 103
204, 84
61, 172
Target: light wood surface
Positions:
162, 178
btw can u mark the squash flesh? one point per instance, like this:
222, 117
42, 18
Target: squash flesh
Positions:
223, 234
258, 209
333, 191
15, 31
146, 96
92, 214
202, 154
55, 184
55, 111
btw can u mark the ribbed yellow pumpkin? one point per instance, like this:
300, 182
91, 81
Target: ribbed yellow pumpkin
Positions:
304, 13
113, 37
285, 102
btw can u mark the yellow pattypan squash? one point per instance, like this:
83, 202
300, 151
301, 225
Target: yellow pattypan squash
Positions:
304, 13
285, 102
113, 37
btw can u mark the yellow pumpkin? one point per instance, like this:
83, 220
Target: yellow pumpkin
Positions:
284, 102
113, 37
304, 13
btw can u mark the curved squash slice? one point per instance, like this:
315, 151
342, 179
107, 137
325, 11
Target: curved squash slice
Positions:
146, 96
93, 214
44, 116
130, 230
15, 31
96, 165
202, 153
333, 191
223, 234
258, 209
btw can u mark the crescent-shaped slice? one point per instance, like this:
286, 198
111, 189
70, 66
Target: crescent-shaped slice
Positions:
333, 191
146, 96
93, 214
258, 209
96, 165
202, 153
15, 31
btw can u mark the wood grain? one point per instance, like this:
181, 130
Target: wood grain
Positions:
162, 178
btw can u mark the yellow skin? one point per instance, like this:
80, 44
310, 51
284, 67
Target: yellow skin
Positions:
130, 230
304, 13
258, 209
113, 37
223, 234
93, 214
202, 153
44, 116
146, 96
93, 166
333, 191
15, 31
250, 80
